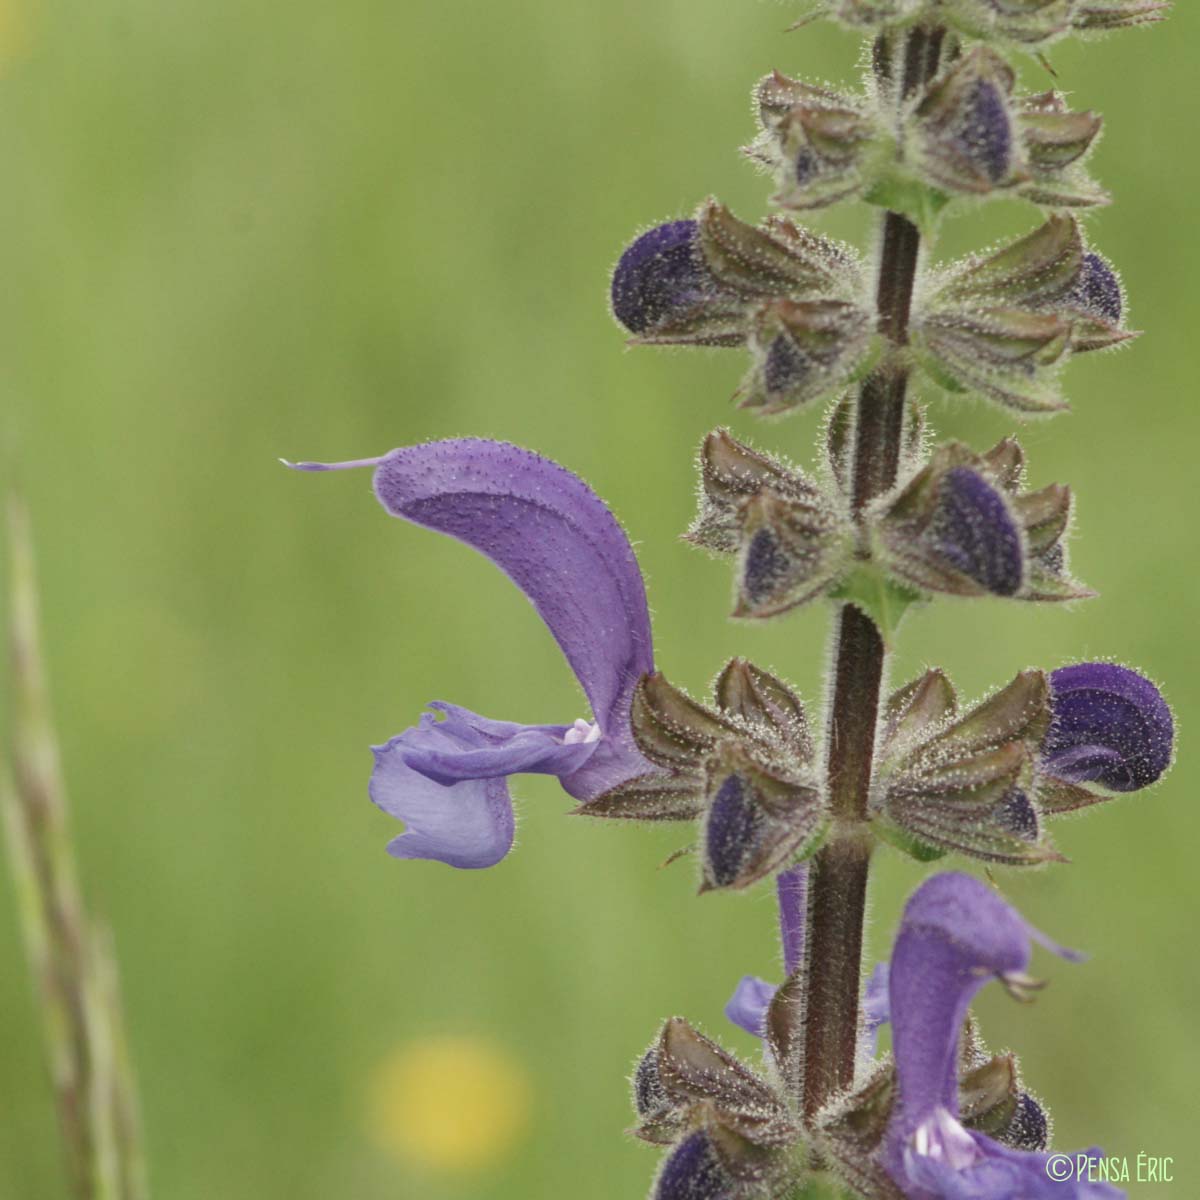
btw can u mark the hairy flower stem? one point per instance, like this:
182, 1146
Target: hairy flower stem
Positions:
838, 886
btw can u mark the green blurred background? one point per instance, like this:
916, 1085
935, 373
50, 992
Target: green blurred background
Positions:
238, 230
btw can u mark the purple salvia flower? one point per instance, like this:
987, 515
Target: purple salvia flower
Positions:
973, 529
659, 275
556, 540
1110, 726
956, 934
1098, 290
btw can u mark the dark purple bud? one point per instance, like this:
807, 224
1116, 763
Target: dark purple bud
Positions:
1017, 815
693, 1172
732, 833
649, 1095
1098, 290
786, 366
986, 132
659, 275
766, 565
1110, 726
1029, 1128
974, 531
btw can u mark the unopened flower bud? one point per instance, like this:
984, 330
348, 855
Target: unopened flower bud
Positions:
744, 769
1111, 726
815, 140
758, 819
691, 1082
963, 525
792, 538
659, 276
803, 351
796, 298
1000, 325
733, 832
973, 530
754, 695
965, 125
964, 784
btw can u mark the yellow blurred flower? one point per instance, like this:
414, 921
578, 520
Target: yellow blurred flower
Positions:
450, 1104
14, 30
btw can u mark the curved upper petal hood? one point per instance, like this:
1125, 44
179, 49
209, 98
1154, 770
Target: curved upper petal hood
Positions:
956, 935
553, 537
559, 543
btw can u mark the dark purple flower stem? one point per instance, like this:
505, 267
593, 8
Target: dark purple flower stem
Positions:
838, 883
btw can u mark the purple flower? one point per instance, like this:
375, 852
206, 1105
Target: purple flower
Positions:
956, 934
555, 539
1110, 726
973, 529
660, 275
